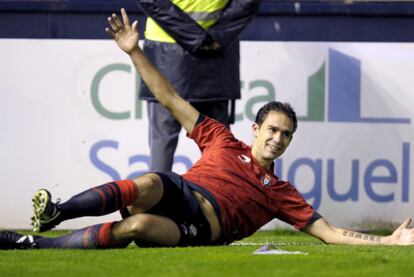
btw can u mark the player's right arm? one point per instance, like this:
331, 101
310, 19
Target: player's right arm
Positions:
331, 234
126, 36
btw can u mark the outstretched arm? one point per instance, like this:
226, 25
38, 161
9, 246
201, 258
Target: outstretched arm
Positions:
328, 233
126, 37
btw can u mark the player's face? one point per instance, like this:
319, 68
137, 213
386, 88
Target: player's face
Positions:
272, 137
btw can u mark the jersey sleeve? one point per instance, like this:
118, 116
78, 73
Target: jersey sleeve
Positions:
295, 210
209, 132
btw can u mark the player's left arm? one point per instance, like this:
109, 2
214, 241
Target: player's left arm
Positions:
330, 234
126, 37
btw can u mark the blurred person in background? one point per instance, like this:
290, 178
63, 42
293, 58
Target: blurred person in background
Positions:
195, 45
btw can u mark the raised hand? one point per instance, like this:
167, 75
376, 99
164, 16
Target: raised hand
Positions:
125, 35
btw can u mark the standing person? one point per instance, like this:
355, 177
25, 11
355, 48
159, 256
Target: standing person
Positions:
195, 45
227, 195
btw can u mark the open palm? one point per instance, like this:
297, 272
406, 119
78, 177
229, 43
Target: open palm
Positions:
125, 35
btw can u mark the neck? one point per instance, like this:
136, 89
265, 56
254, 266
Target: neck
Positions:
264, 163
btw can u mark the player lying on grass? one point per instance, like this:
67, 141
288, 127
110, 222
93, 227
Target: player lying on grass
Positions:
227, 195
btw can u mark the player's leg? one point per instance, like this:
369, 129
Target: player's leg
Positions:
92, 237
164, 130
100, 200
150, 228
178, 204
154, 230
157, 230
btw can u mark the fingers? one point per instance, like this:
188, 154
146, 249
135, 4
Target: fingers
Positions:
117, 26
112, 23
116, 23
109, 32
125, 17
405, 224
134, 26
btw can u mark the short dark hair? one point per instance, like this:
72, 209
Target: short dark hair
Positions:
276, 106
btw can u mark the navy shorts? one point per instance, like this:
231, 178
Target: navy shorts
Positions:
180, 205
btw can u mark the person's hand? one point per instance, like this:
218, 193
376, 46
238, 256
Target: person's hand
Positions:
211, 47
403, 235
125, 35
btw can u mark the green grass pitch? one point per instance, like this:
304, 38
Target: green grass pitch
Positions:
232, 260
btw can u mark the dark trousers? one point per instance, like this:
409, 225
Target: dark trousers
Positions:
164, 130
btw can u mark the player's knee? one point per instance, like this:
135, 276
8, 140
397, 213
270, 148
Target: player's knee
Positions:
150, 191
139, 227
130, 228
149, 184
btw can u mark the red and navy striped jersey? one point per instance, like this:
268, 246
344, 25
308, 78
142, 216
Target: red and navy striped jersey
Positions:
248, 195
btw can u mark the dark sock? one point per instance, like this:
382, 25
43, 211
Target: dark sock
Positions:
100, 200
93, 237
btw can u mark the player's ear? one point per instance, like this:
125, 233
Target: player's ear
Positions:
255, 129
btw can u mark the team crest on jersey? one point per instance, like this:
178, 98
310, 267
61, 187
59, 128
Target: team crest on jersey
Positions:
266, 180
244, 158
